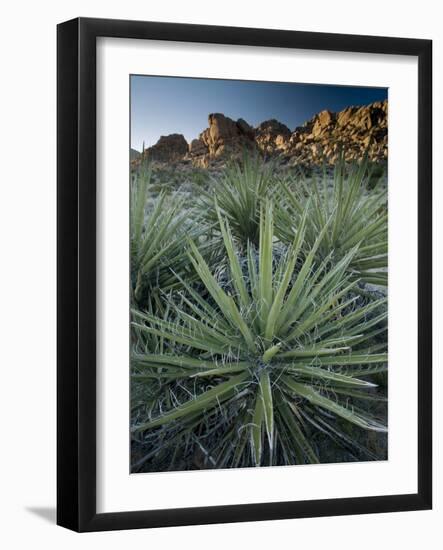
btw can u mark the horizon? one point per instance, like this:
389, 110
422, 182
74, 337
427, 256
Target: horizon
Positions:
163, 105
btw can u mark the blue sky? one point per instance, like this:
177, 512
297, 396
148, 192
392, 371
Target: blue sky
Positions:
168, 105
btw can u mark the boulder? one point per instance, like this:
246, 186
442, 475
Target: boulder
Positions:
225, 137
345, 116
322, 122
272, 136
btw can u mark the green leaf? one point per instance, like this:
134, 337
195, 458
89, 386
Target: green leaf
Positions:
199, 404
268, 407
353, 359
277, 304
265, 263
271, 352
296, 433
236, 271
314, 397
256, 430
337, 378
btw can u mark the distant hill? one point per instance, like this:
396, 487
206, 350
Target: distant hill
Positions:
134, 154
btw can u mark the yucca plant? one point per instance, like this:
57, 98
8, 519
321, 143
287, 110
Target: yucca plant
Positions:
254, 374
239, 191
357, 217
159, 229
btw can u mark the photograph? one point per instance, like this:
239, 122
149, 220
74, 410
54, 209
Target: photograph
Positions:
258, 273
228, 240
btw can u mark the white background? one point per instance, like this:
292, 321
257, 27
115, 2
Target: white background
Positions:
27, 230
117, 490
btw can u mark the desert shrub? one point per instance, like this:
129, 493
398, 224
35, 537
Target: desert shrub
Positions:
262, 373
239, 192
353, 216
200, 178
159, 229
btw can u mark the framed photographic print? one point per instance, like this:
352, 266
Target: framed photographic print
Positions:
244, 274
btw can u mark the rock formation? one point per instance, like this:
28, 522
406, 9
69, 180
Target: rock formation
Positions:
223, 139
271, 135
354, 131
170, 148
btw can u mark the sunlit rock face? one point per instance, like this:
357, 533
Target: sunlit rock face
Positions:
353, 132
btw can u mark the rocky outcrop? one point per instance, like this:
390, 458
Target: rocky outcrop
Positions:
245, 128
197, 147
271, 136
352, 132
224, 138
170, 148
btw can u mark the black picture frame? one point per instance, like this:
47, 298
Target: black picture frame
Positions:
76, 281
